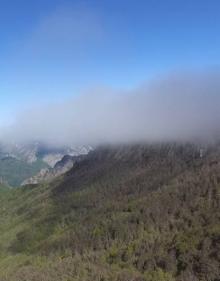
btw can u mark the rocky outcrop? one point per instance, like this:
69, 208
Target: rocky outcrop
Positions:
60, 168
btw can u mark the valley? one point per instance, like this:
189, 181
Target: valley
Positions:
20, 162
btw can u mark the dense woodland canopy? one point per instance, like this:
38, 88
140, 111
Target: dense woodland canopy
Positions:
127, 213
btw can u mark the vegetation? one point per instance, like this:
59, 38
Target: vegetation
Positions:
15, 171
140, 213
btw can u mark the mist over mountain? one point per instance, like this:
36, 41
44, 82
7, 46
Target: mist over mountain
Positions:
177, 107
109, 140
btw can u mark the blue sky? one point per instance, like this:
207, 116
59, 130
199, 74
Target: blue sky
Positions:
52, 49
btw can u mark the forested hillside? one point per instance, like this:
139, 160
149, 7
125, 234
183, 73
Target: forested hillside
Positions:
128, 213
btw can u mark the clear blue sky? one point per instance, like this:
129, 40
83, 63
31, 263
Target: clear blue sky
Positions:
49, 49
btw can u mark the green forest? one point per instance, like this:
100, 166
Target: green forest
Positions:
123, 213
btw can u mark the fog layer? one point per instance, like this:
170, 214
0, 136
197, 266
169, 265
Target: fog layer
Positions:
181, 106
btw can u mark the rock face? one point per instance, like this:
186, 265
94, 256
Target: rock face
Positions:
24, 152
35, 151
60, 168
52, 157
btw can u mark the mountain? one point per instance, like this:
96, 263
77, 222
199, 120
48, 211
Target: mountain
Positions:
33, 151
19, 162
123, 213
60, 168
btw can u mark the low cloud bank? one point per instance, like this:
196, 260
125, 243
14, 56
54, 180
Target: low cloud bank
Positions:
182, 106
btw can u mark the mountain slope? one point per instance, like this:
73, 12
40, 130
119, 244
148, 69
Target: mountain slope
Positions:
14, 171
146, 213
